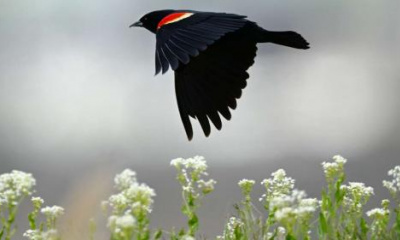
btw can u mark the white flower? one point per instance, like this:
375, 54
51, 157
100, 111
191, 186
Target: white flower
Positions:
32, 234
51, 234
288, 208
187, 237
125, 179
278, 185
377, 213
284, 213
52, 212
333, 169
206, 186
141, 194
339, 159
246, 182
125, 221
15, 185
177, 162
37, 200
197, 164
394, 185
246, 185
356, 195
358, 189
118, 224
118, 201
281, 233
231, 226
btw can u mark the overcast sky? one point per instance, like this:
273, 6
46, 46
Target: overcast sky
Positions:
79, 100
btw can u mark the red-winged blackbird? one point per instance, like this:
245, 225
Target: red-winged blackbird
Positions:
210, 54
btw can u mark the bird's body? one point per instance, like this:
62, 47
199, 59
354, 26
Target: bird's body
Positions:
210, 54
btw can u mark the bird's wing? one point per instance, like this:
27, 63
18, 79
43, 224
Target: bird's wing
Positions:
210, 84
179, 41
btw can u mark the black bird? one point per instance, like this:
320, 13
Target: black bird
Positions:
210, 54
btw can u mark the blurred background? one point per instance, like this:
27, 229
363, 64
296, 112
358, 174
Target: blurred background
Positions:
79, 103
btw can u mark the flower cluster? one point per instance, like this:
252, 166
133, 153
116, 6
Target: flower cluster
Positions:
194, 187
37, 234
246, 185
14, 186
277, 186
356, 196
122, 226
394, 185
190, 171
232, 228
288, 209
131, 205
51, 213
380, 218
334, 169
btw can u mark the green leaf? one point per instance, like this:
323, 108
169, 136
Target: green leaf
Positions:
2, 232
158, 234
181, 232
290, 237
323, 224
364, 228
193, 224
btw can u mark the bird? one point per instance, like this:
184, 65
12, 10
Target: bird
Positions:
210, 54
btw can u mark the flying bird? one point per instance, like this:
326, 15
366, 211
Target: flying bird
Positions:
210, 54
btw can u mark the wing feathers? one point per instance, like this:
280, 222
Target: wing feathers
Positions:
192, 35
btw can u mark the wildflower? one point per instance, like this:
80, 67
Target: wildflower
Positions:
130, 206
278, 185
32, 234
118, 201
394, 185
51, 234
52, 212
356, 195
246, 185
196, 163
194, 187
281, 233
37, 203
125, 179
140, 196
233, 224
14, 186
206, 186
177, 162
121, 225
187, 237
377, 213
289, 209
125, 221
339, 159
334, 169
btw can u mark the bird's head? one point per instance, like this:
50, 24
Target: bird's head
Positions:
151, 20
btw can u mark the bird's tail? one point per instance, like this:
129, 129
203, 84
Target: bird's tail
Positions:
288, 38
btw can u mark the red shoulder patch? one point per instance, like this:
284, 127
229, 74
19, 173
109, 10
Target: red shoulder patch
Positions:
173, 17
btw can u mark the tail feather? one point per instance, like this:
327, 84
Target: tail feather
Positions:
288, 38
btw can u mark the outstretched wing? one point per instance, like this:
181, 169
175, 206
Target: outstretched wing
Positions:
183, 35
210, 84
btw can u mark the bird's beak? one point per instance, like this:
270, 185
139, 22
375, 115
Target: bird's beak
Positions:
137, 24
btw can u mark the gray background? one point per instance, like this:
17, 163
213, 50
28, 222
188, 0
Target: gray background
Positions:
79, 102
